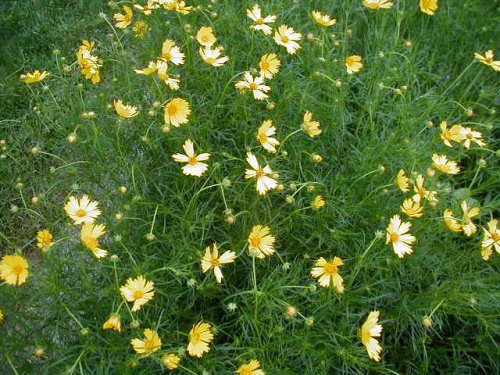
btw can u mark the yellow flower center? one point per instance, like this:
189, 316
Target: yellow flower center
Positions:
149, 344
447, 135
253, 86
210, 60
260, 173
469, 136
260, 21
245, 371
192, 160
285, 39
255, 241
350, 61
264, 65
172, 110
205, 38
195, 337
167, 56
495, 236
92, 243
422, 192
17, 269
330, 268
138, 294
262, 137
488, 60
81, 212
394, 237
214, 262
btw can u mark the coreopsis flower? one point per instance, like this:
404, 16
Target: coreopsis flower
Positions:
324, 20
251, 368
212, 260
200, 338
269, 65
162, 68
264, 182
194, 165
491, 240
34, 77
260, 23
378, 4
287, 37
327, 272
261, 241
451, 222
429, 6
369, 330
402, 181
125, 110
454, 134
89, 63
14, 269
469, 213
421, 191
138, 290
113, 322
469, 136
354, 64
312, 128
124, 20
205, 36
444, 165
150, 69
264, 136
412, 208
488, 59
141, 28
90, 238
170, 52
82, 210
212, 56
2, 317
148, 8
318, 202
150, 344
177, 111
44, 239
171, 361
256, 84
181, 7
398, 235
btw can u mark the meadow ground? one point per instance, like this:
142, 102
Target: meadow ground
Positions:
437, 296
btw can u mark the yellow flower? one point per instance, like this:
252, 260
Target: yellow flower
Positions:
141, 28
287, 37
194, 165
177, 111
260, 23
150, 69
179, 6
44, 239
398, 235
148, 8
402, 181
2, 317
83, 210
453, 134
312, 128
429, 6
89, 63
469, 136
124, 20
412, 208
354, 64
328, 272
125, 111
469, 213
378, 4
421, 192
264, 136
150, 344
488, 59
211, 259
318, 202
34, 77
212, 56
251, 368
264, 182
171, 52
113, 322
162, 67
451, 222
14, 269
269, 65
261, 241
491, 239
138, 290
199, 339
369, 330
323, 19
205, 36
256, 84
90, 237
171, 361
444, 165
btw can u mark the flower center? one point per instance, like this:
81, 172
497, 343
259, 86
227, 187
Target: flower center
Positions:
138, 294
17, 269
167, 56
195, 337
469, 136
172, 110
260, 173
330, 268
264, 65
262, 137
205, 38
245, 371
394, 237
192, 160
422, 192
214, 262
81, 212
260, 21
488, 60
253, 86
210, 60
92, 243
149, 344
495, 236
285, 39
255, 241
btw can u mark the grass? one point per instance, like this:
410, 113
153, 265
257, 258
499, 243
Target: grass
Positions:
370, 132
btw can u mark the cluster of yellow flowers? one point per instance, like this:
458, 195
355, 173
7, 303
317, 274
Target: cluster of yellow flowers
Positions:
89, 63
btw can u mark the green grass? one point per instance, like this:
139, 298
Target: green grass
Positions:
369, 133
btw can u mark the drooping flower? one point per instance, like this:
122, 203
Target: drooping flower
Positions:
327, 272
354, 64
2, 317
124, 20
312, 128
178, 5
113, 322
44, 239
251, 368
170, 52
200, 338
451, 222
177, 111
138, 290
264, 182
318, 202
148, 8
212, 260
422, 192
194, 165
454, 134
378, 4
469, 213
369, 330
259, 90
171, 361
171, 82
212, 56
324, 20
125, 110
34, 77
429, 6
399, 237
444, 165
469, 136
412, 208
269, 65
82, 210
488, 59
14, 269
491, 240
150, 69
261, 241
147, 346
264, 136
90, 237
260, 23
205, 36
141, 28
402, 181
89, 63
287, 37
